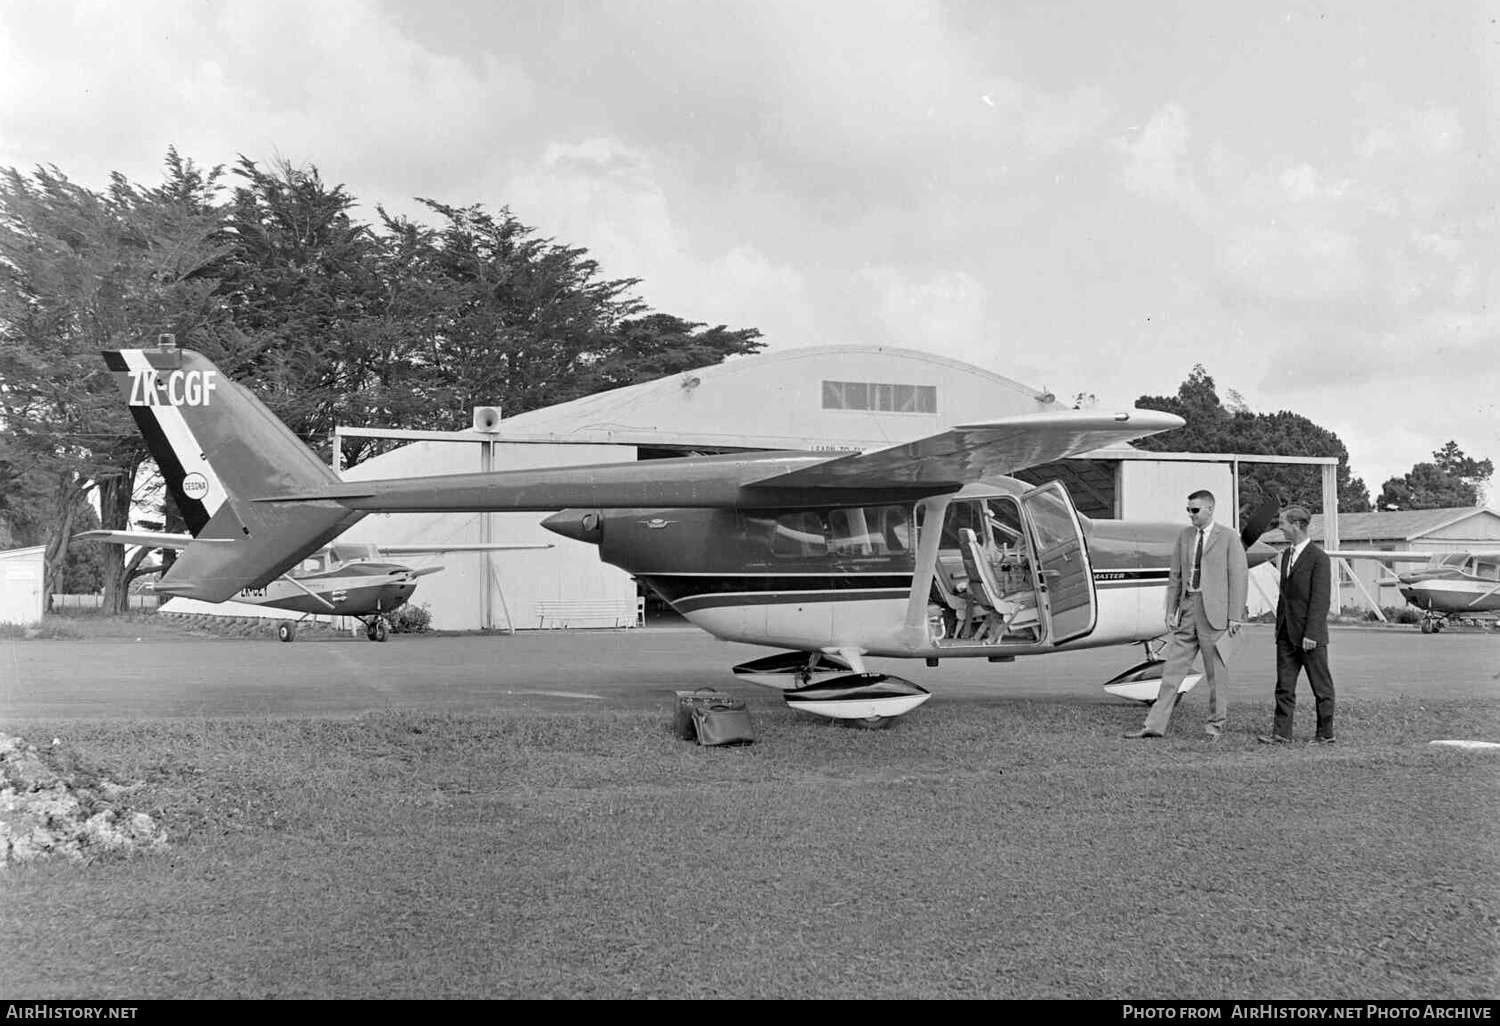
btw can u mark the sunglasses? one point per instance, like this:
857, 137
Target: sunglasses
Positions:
1194, 509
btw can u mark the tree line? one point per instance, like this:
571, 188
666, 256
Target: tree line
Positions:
1451, 479
331, 319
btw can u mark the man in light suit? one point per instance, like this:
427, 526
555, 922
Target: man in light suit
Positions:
1302, 629
1205, 604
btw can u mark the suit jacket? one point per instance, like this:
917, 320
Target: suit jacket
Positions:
1302, 608
1225, 575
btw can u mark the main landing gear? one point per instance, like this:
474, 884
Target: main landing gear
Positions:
836, 686
377, 628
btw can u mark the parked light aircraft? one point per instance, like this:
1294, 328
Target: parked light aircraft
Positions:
926, 549
1450, 588
342, 579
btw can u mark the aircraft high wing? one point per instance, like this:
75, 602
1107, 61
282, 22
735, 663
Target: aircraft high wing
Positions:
924, 549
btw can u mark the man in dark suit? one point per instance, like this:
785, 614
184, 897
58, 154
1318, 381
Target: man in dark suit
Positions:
1205, 606
1302, 629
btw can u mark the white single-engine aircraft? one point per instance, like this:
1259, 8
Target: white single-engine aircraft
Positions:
343, 579
1450, 588
923, 550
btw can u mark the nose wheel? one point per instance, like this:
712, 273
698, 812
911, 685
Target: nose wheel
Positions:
378, 629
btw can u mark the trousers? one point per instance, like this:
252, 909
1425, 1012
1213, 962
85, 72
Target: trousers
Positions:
1190, 638
1290, 661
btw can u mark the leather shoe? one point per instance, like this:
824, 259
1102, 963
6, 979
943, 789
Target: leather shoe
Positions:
1137, 734
1274, 739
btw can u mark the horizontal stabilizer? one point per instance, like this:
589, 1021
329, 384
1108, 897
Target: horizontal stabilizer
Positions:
970, 452
150, 539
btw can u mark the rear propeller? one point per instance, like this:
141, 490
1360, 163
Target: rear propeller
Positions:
1260, 520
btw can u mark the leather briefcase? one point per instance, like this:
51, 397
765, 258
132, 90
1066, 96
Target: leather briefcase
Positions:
723, 723
687, 701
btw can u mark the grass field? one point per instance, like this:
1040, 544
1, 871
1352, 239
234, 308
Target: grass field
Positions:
1002, 850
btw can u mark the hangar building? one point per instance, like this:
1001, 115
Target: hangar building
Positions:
833, 398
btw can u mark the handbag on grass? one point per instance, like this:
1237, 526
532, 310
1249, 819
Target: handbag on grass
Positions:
687, 701
723, 723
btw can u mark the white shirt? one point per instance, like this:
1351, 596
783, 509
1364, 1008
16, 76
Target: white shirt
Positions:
1295, 553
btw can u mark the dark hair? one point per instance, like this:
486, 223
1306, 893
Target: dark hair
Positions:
1203, 493
1297, 515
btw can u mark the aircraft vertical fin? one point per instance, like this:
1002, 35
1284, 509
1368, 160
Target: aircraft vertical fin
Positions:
219, 449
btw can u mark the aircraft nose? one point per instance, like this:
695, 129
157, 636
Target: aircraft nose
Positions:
585, 525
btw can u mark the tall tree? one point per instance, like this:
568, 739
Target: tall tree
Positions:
332, 321
82, 271
513, 319
1451, 479
1213, 427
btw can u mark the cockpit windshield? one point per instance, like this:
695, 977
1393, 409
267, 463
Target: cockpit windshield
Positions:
350, 552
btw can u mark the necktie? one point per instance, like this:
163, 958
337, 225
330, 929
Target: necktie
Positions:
1198, 563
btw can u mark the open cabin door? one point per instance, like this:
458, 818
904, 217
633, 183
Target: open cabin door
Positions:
1065, 595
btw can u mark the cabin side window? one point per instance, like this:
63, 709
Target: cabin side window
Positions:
869, 530
855, 531
799, 535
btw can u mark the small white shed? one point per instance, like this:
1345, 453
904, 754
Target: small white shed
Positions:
21, 572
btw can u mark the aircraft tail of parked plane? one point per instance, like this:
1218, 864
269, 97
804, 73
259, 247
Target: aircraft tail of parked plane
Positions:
218, 448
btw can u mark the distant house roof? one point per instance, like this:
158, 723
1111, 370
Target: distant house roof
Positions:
1397, 525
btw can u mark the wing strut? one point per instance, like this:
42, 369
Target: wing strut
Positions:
315, 595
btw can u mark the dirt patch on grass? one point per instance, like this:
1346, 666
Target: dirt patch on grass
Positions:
52, 804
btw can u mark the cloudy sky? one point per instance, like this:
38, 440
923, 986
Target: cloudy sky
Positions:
1083, 196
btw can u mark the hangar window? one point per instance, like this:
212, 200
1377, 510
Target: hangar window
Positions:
881, 397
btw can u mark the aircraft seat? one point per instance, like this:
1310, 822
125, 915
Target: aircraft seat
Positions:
986, 591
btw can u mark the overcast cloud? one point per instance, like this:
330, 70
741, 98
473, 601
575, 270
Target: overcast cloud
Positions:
1085, 197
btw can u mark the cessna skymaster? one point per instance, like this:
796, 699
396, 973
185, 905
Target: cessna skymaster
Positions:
925, 550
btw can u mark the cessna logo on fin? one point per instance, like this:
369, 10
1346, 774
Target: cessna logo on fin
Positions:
149, 387
195, 486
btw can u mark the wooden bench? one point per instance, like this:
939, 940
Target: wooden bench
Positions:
566, 613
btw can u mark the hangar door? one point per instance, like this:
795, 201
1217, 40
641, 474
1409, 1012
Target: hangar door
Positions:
1158, 490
